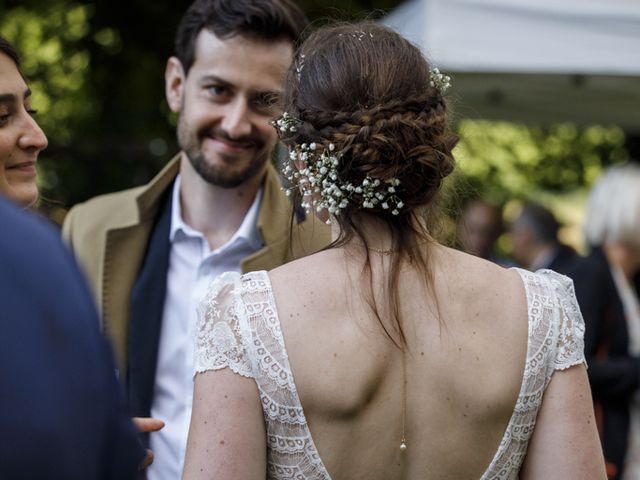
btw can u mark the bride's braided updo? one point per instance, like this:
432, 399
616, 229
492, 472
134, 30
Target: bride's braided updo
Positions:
368, 100
369, 92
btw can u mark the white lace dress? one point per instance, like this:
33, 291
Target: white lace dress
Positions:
238, 327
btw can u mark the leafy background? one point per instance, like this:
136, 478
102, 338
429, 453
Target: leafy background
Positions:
96, 69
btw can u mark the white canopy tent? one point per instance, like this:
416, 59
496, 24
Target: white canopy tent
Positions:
538, 61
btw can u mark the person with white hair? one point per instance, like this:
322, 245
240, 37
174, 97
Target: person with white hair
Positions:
607, 284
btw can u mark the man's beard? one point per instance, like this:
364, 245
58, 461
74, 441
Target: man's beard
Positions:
221, 176
225, 176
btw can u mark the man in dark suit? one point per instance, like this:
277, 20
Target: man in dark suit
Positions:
534, 237
479, 228
61, 411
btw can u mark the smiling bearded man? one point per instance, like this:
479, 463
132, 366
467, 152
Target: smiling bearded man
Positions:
150, 252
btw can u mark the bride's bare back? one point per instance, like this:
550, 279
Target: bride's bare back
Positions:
304, 343
464, 369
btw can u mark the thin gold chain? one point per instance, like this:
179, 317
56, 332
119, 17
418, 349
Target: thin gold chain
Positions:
403, 440
382, 252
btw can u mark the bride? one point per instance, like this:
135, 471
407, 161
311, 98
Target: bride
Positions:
387, 355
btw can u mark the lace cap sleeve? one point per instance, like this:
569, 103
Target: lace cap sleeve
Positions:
222, 337
570, 343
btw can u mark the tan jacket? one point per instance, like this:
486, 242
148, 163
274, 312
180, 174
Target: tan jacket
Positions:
108, 235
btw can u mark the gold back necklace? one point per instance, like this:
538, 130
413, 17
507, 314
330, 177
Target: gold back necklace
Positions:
403, 440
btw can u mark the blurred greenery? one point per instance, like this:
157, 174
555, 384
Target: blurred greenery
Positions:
96, 68
504, 161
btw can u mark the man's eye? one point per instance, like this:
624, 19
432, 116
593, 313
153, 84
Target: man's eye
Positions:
4, 118
216, 90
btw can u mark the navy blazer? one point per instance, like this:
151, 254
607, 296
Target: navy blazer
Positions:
562, 261
62, 414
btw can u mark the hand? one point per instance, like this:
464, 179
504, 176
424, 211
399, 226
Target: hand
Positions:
145, 425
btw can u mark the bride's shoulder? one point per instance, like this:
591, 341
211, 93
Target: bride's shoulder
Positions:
473, 284
315, 267
478, 273
310, 282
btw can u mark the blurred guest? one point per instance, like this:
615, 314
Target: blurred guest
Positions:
61, 411
21, 139
479, 229
607, 284
534, 238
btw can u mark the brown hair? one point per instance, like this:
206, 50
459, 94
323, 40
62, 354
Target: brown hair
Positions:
10, 51
269, 21
367, 90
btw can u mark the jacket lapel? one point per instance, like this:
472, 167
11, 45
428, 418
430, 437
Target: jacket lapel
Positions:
125, 247
147, 307
123, 254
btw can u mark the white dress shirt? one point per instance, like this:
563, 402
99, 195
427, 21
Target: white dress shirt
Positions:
192, 265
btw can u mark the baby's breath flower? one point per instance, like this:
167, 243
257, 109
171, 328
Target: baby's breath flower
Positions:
439, 80
319, 181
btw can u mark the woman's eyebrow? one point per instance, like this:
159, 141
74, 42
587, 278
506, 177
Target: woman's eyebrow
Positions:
11, 98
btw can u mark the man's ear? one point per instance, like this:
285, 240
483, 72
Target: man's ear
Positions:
174, 83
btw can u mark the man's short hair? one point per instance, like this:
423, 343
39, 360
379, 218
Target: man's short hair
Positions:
541, 221
267, 20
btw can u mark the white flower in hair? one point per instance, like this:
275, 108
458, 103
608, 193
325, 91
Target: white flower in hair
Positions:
319, 181
287, 123
439, 80
299, 66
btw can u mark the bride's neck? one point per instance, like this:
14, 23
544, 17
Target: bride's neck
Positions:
375, 231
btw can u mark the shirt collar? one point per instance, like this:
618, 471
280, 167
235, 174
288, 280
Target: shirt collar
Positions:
247, 232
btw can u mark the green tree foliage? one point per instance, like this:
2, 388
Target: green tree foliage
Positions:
57, 62
101, 104
96, 68
504, 161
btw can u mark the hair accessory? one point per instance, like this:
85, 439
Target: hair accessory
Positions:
382, 252
287, 123
359, 34
321, 186
299, 66
439, 80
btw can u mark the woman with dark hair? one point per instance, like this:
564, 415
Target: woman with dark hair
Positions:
386, 355
21, 139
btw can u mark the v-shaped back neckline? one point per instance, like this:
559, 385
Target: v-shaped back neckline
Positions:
488, 473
